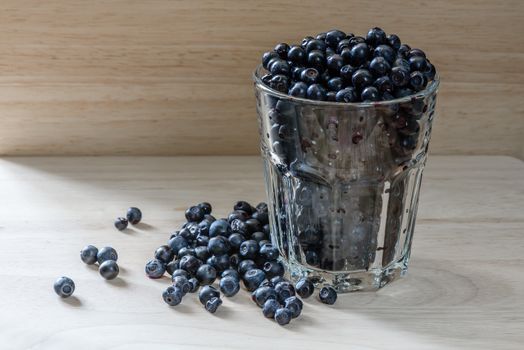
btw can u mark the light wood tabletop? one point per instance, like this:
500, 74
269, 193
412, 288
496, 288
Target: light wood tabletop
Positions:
464, 290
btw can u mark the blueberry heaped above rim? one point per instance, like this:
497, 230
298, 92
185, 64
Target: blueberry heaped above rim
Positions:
335, 66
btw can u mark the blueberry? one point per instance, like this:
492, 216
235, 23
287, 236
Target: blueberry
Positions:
206, 207
253, 225
394, 41
206, 274
333, 37
208, 217
155, 268
304, 288
408, 142
416, 52
282, 50
270, 307
279, 67
202, 241
284, 290
266, 229
179, 272
220, 262
315, 45
190, 264
172, 296
263, 217
370, 93
383, 84
213, 304
316, 59
106, 253
64, 287
240, 214
206, 293
298, 89
386, 96
262, 294
296, 55
346, 73
230, 273
331, 96
283, 316
330, 52
244, 206
379, 66
229, 285
234, 260
218, 245
267, 57
176, 243
203, 227
385, 52
245, 266
356, 40
121, 223
418, 63
235, 240
335, 84
273, 268
172, 266
362, 78
334, 63
304, 42
316, 92
164, 253
401, 62
194, 213
358, 54
253, 278
188, 235
182, 283
403, 92
430, 72
276, 280
376, 37
417, 81
237, 225
295, 72
109, 269
295, 305
88, 254
248, 249
403, 51
262, 207
321, 36
280, 83
219, 228
202, 253
194, 284
328, 295
266, 78
269, 252
309, 76
399, 76
343, 44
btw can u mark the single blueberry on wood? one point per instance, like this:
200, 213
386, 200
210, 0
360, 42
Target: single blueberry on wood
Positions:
121, 223
64, 287
172, 296
328, 295
304, 288
134, 215
229, 285
106, 253
109, 269
213, 304
88, 254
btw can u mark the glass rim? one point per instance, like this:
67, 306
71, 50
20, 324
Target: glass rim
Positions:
430, 89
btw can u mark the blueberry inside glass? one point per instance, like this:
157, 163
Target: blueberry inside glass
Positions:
345, 123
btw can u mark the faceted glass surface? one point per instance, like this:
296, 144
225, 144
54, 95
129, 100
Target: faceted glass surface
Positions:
343, 182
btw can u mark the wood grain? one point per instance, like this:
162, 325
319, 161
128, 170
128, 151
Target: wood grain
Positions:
174, 77
464, 290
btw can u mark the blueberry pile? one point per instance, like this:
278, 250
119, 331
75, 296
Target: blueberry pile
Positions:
106, 258
236, 250
335, 66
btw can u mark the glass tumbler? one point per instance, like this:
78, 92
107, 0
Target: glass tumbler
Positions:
343, 183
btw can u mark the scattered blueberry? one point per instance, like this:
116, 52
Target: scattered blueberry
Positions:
229, 285
283, 316
179, 272
190, 264
194, 285
284, 290
64, 287
88, 254
219, 228
273, 268
164, 253
183, 284
172, 296
295, 305
173, 266
248, 249
304, 288
262, 294
176, 243
231, 273
155, 268
109, 269
106, 253
121, 223
253, 278
134, 215
206, 274
218, 245
213, 304
328, 295
206, 293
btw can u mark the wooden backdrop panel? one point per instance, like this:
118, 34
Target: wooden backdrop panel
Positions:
174, 77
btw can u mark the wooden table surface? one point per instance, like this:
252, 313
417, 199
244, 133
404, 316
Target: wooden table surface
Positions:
464, 290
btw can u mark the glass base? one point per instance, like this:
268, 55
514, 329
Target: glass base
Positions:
344, 282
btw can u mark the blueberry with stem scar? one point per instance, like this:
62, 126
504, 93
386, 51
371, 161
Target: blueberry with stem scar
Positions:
64, 287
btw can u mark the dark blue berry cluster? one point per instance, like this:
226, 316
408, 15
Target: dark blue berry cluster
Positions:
105, 257
133, 216
340, 67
